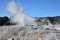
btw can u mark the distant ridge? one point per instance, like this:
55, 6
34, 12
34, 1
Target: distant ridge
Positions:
53, 20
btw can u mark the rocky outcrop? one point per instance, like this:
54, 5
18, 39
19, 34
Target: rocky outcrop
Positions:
18, 32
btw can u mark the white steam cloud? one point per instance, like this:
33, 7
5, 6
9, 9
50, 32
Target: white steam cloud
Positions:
18, 15
12, 7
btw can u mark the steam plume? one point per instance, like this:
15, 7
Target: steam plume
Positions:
18, 15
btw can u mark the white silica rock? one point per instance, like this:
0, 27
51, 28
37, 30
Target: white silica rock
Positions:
9, 38
27, 33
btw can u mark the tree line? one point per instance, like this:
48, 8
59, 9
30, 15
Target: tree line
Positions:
5, 21
53, 20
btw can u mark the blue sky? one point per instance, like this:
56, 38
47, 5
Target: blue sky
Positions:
34, 8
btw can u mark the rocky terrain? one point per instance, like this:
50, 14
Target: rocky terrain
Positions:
30, 32
44, 29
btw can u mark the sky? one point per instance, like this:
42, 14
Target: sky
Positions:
34, 8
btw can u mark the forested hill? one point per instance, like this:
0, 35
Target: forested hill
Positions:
53, 20
5, 21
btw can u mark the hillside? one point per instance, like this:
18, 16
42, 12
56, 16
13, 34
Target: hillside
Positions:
52, 20
42, 20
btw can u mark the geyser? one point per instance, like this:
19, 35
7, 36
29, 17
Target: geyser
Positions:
18, 15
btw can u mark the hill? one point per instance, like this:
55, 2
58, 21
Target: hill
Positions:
41, 20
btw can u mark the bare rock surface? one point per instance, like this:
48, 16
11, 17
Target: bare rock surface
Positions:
28, 33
